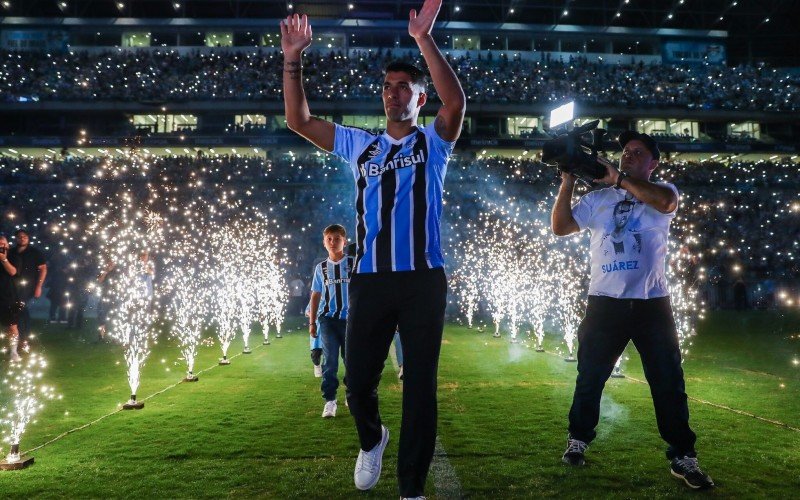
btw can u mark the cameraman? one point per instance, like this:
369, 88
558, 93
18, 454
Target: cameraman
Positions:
628, 299
9, 305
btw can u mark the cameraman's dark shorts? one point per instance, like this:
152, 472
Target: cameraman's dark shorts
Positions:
9, 314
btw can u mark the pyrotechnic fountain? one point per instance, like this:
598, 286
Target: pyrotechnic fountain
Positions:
23, 388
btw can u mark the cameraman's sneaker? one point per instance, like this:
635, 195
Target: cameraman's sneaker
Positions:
574, 454
686, 468
368, 464
330, 409
318, 371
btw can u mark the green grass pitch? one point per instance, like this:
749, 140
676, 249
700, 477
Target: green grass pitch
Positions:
253, 429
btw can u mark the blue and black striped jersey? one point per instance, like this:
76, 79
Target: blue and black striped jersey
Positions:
399, 186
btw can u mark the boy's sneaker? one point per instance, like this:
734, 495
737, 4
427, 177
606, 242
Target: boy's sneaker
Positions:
318, 371
368, 464
330, 409
400, 373
686, 468
574, 454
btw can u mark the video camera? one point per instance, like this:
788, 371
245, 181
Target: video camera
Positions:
571, 152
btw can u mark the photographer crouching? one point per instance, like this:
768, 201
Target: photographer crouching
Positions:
628, 223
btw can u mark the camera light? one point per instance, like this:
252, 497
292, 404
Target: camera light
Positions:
562, 114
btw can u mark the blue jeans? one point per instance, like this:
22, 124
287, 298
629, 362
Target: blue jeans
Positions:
398, 349
24, 324
332, 331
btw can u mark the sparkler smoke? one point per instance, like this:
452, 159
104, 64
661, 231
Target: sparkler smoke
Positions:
24, 392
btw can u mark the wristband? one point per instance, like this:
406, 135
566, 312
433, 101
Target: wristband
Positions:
622, 176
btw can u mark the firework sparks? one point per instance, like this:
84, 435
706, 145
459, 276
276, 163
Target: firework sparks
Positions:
26, 392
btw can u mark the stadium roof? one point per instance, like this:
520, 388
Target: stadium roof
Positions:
763, 30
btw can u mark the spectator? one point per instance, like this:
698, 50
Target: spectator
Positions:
9, 305
31, 269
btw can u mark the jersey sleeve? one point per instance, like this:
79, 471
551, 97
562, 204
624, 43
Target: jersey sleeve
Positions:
316, 283
438, 145
348, 142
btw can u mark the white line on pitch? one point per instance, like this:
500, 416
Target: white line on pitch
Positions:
76, 429
714, 405
445, 479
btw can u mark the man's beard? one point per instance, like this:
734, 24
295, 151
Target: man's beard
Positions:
398, 115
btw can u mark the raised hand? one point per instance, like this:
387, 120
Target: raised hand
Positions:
421, 24
295, 34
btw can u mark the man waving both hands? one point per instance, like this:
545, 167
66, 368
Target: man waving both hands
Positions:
398, 277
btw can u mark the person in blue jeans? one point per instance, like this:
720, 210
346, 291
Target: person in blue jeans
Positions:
329, 310
315, 344
398, 352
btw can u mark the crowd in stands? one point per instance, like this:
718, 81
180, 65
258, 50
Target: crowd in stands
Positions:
743, 217
672, 137
167, 75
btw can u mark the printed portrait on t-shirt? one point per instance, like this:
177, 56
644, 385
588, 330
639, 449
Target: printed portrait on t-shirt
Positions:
622, 236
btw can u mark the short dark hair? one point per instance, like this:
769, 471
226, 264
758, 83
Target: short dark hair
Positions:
335, 228
417, 75
649, 142
21, 230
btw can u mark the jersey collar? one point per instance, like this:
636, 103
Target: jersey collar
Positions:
391, 139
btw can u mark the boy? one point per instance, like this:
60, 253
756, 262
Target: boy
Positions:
329, 308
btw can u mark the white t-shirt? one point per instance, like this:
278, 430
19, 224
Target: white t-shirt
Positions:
628, 244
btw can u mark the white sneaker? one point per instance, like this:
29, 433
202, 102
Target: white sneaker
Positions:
368, 465
14, 354
400, 373
414, 498
318, 371
330, 409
